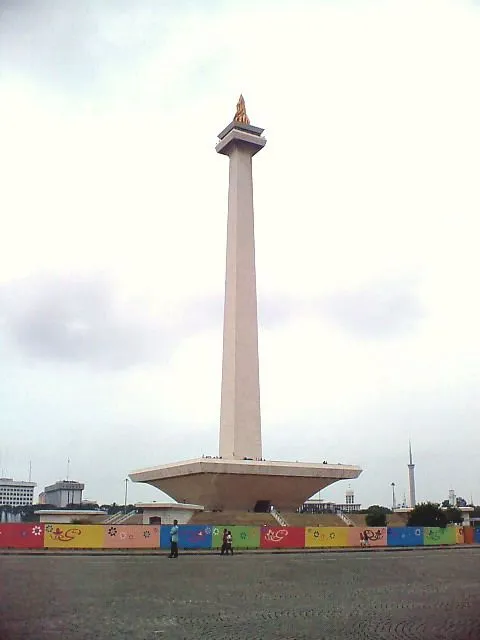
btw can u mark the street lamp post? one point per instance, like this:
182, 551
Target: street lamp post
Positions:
126, 494
394, 502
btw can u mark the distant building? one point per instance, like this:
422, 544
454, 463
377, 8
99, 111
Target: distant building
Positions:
16, 493
89, 503
349, 496
63, 493
320, 506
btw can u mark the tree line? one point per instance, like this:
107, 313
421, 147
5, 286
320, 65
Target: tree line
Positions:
425, 514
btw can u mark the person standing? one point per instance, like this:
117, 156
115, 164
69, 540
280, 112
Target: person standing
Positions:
365, 538
224, 542
174, 540
229, 542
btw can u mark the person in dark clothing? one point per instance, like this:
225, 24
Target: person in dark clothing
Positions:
224, 542
229, 543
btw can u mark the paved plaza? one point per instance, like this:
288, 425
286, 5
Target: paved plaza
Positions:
349, 596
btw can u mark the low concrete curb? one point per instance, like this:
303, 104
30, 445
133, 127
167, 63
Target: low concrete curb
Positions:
215, 552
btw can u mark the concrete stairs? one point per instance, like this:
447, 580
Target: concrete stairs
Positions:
124, 518
114, 518
343, 516
278, 517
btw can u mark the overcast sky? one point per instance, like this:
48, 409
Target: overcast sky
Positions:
113, 229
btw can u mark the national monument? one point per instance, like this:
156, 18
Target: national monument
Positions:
240, 479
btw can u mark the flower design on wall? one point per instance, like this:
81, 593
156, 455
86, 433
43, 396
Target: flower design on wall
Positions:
146, 534
112, 531
37, 531
65, 535
276, 536
373, 535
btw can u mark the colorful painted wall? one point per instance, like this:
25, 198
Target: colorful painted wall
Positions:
95, 536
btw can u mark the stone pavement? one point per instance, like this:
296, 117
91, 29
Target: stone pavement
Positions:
354, 596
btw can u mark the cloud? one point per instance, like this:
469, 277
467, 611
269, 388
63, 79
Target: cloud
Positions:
381, 310
80, 319
78, 47
95, 45
85, 319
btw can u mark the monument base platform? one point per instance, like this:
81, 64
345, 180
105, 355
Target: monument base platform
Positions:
243, 485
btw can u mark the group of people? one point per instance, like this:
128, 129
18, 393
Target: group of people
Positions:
364, 539
227, 541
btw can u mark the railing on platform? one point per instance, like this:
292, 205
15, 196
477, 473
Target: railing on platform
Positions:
348, 521
115, 518
278, 517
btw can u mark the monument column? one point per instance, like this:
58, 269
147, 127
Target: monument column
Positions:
240, 425
411, 478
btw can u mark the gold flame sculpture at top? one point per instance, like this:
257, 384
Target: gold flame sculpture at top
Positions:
241, 112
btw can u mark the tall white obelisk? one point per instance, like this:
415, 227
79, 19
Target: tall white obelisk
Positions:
234, 482
240, 424
411, 477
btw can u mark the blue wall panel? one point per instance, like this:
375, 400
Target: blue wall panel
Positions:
189, 536
165, 536
405, 536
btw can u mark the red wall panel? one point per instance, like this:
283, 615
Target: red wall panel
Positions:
282, 538
21, 536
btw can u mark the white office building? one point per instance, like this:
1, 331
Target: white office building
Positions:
63, 493
16, 493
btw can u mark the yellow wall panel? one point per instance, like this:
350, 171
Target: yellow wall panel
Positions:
326, 537
74, 536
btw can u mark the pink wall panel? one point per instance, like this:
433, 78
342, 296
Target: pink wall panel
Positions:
376, 536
